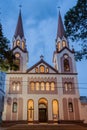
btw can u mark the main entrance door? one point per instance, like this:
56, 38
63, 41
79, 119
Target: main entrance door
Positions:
43, 116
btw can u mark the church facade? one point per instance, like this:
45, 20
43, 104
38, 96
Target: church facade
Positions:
43, 93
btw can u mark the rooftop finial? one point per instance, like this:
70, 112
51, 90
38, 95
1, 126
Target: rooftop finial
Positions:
41, 57
20, 6
60, 29
59, 7
19, 28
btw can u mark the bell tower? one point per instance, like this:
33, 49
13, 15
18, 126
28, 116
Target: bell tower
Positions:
63, 57
19, 46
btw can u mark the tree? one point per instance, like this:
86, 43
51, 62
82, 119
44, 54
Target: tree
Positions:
76, 27
6, 55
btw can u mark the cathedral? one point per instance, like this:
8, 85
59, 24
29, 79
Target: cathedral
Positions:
43, 93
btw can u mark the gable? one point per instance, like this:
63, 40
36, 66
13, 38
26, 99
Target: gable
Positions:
41, 68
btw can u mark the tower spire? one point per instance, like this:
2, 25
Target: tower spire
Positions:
19, 28
60, 29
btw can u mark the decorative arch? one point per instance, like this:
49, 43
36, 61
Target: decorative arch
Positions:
58, 46
63, 43
42, 69
32, 85
66, 64
43, 109
18, 42
23, 45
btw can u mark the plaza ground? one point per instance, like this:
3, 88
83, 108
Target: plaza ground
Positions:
45, 127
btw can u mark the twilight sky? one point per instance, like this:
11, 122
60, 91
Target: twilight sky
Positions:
40, 19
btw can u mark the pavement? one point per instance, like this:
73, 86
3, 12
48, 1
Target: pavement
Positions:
45, 127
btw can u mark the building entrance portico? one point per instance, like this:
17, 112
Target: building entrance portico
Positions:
43, 110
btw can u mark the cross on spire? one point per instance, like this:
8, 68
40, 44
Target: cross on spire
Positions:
20, 6
60, 29
19, 28
59, 7
41, 57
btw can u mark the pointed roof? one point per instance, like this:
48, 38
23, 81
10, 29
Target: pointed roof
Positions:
40, 62
60, 30
19, 28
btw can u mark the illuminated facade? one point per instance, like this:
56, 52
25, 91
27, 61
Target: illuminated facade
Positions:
43, 93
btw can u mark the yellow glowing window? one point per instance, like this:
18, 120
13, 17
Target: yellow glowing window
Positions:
42, 85
47, 86
47, 70
18, 86
17, 55
37, 85
36, 69
32, 86
30, 110
18, 43
52, 86
58, 46
23, 45
42, 69
14, 86
64, 43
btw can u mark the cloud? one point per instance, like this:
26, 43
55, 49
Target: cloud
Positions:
42, 39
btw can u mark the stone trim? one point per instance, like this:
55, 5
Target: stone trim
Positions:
70, 64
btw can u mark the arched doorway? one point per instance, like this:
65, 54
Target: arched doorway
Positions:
30, 110
43, 110
55, 110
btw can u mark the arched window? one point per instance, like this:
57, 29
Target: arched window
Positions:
52, 86
14, 107
66, 86
66, 65
37, 85
70, 86
32, 86
58, 46
63, 43
23, 45
47, 86
55, 109
13, 86
18, 43
42, 69
42, 85
30, 110
47, 70
70, 106
18, 86
36, 69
